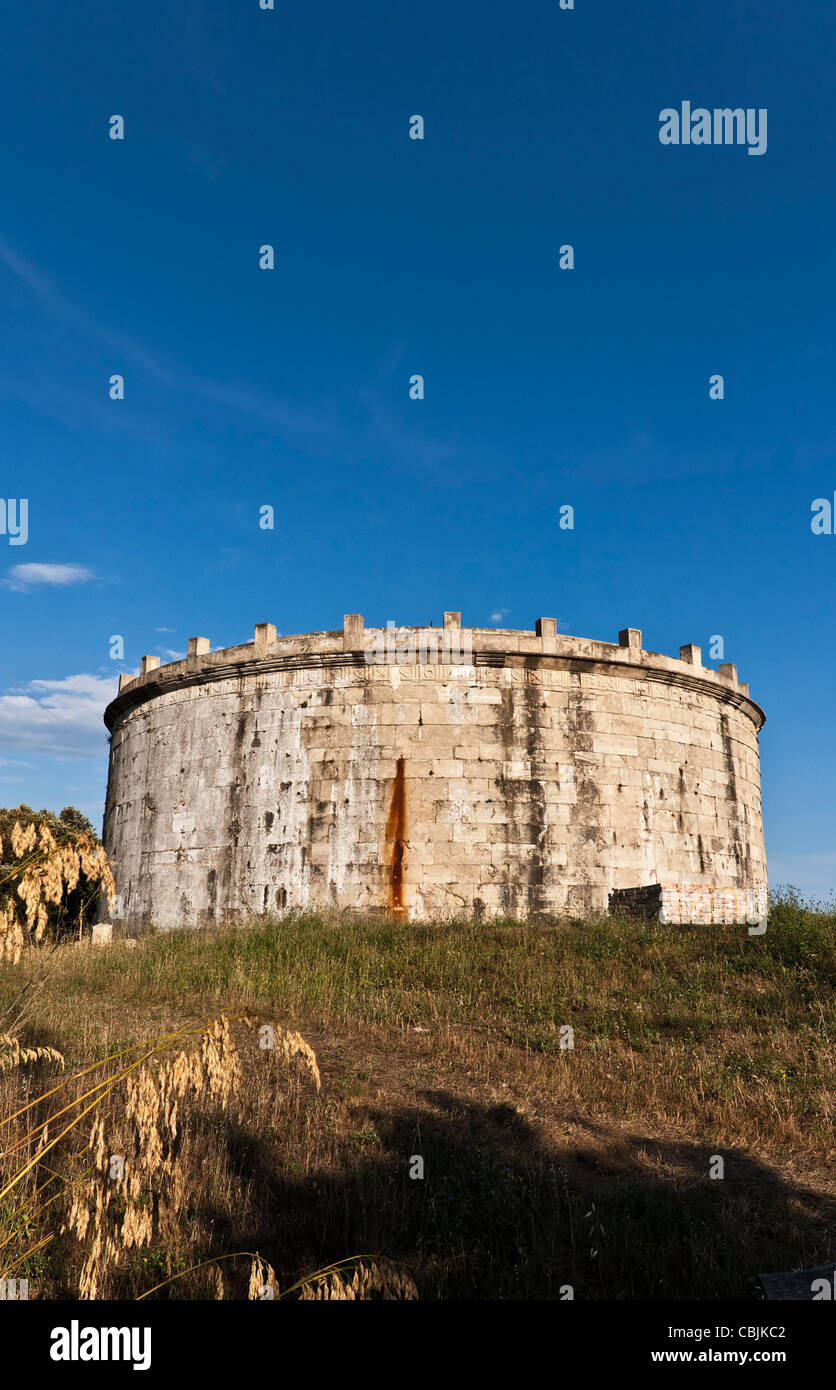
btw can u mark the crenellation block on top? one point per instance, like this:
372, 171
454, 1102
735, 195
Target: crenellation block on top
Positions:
352, 632
631, 638
264, 636
546, 630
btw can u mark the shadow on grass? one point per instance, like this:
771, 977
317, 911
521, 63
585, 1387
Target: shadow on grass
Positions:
499, 1215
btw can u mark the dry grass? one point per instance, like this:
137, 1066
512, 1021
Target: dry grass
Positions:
543, 1167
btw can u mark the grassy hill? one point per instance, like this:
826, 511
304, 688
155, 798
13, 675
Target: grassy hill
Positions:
545, 1166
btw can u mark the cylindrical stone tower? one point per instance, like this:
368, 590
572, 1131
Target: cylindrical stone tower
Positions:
427, 772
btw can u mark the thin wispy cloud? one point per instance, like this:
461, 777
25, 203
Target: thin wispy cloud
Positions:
57, 303
29, 274
299, 426
316, 430
34, 576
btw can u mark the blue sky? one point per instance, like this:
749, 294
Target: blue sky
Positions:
394, 257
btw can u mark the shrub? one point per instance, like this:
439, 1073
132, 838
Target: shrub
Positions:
51, 871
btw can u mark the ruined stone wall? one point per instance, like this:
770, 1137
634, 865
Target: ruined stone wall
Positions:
535, 775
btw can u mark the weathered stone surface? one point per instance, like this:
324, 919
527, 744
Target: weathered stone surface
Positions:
536, 777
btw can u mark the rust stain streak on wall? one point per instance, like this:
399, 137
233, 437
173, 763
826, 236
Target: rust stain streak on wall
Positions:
396, 836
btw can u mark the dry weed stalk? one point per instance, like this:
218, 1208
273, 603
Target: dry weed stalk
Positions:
136, 1189
139, 1188
46, 870
13, 1055
263, 1281
294, 1045
377, 1280
272, 1037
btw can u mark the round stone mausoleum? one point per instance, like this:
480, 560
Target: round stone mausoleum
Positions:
426, 772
